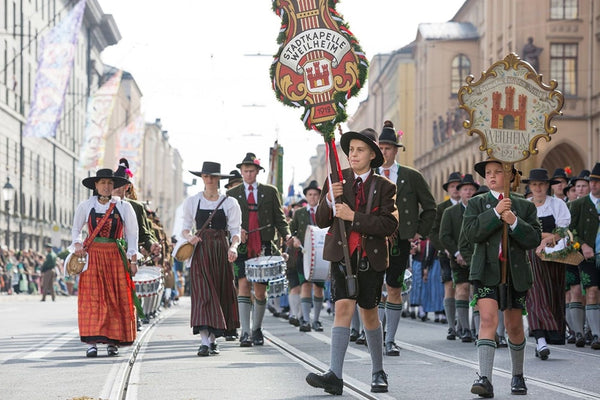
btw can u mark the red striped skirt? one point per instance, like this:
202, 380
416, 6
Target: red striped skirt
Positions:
106, 312
213, 296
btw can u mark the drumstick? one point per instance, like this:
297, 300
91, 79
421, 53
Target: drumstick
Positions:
259, 229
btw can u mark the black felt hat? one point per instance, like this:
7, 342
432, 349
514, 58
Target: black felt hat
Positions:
212, 169
560, 173
123, 170
595, 174
235, 177
388, 135
453, 177
570, 185
250, 159
369, 136
480, 167
584, 175
468, 180
312, 185
104, 173
539, 175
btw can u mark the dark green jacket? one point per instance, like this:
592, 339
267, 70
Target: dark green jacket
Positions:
415, 203
49, 263
300, 222
434, 236
584, 220
450, 227
270, 210
482, 227
145, 231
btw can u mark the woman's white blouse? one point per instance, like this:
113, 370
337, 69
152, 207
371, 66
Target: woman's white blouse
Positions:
230, 206
557, 208
130, 225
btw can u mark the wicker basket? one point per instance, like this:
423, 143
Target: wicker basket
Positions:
574, 258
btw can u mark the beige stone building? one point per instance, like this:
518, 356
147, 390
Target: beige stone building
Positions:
481, 33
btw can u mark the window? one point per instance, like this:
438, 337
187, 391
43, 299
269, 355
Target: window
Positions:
563, 67
564, 9
461, 68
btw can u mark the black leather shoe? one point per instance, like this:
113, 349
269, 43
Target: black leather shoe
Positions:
482, 387
517, 385
284, 315
362, 338
542, 353
231, 335
595, 343
214, 348
257, 337
112, 350
317, 326
466, 337
501, 342
579, 340
379, 383
327, 381
294, 321
571, 338
92, 352
354, 335
305, 327
391, 349
245, 340
451, 334
203, 351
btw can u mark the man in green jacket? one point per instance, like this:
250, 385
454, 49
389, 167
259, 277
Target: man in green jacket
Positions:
483, 225
48, 273
584, 220
416, 213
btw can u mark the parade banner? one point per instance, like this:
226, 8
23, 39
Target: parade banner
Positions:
130, 143
510, 108
275, 176
56, 55
319, 65
99, 111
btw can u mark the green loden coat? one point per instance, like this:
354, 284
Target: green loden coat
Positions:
584, 220
483, 228
412, 192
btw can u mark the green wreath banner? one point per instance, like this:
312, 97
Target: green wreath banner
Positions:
319, 65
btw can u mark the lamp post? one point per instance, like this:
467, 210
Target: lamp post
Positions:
8, 192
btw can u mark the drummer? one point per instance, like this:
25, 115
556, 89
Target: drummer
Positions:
304, 217
262, 216
212, 216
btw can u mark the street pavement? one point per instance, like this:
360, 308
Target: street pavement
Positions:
41, 357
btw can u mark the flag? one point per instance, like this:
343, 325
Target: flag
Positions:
97, 119
130, 141
56, 54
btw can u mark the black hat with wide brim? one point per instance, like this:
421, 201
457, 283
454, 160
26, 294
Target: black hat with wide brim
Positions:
480, 167
369, 136
104, 173
584, 175
234, 177
453, 177
539, 175
250, 159
595, 174
560, 173
313, 185
468, 180
212, 169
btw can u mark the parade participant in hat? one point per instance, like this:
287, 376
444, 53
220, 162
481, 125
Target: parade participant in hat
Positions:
451, 187
561, 178
416, 208
234, 180
106, 292
570, 191
211, 222
262, 217
483, 225
545, 300
146, 238
450, 228
304, 217
369, 214
48, 273
584, 220
582, 183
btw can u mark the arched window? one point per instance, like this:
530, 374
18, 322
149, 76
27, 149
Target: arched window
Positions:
461, 68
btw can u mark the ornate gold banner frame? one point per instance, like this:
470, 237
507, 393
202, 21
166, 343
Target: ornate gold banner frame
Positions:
510, 108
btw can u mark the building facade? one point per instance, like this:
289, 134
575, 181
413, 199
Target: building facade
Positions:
561, 37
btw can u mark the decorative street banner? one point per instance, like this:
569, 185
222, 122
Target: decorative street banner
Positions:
56, 54
510, 108
99, 111
319, 65
130, 143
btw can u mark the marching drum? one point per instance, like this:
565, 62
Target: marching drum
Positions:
277, 287
265, 268
316, 269
149, 287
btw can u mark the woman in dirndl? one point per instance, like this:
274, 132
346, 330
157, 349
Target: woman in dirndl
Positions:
213, 296
546, 298
106, 295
